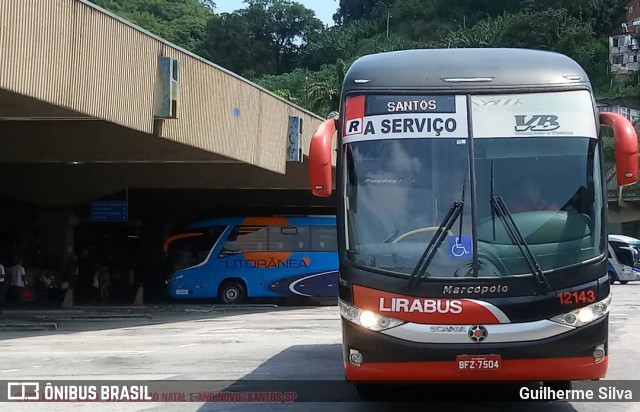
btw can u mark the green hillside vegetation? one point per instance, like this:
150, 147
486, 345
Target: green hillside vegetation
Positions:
282, 46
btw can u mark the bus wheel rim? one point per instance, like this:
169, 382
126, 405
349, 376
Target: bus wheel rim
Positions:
231, 294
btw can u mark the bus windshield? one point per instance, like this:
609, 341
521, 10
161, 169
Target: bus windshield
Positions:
397, 192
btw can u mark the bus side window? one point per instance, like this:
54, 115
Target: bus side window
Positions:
289, 238
205, 243
323, 239
624, 255
245, 239
192, 251
181, 254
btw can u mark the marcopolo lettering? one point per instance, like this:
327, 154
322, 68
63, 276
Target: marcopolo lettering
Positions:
475, 289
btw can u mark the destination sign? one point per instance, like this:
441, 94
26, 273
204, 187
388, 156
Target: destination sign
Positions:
382, 104
399, 117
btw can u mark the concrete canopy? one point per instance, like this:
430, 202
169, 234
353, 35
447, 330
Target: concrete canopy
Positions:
78, 105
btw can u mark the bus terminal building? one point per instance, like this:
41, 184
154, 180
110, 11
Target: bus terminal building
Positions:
110, 137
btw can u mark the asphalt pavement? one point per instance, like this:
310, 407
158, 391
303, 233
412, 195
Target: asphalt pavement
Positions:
264, 342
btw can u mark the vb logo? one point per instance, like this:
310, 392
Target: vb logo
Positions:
537, 123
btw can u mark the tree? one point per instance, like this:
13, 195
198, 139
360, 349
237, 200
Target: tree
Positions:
230, 43
353, 10
324, 92
182, 22
551, 29
318, 91
603, 15
413, 19
292, 86
283, 26
340, 42
209, 4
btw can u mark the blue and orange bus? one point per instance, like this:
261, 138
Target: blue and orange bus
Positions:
249, 257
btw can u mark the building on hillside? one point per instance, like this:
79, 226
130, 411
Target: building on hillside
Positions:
624, 45
628, 107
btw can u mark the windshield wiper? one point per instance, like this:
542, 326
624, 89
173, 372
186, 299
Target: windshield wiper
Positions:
429, 253
500, 208
456, 210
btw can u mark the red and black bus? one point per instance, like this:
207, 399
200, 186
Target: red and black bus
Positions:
472, 216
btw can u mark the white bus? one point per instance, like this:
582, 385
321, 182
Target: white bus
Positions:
624, 259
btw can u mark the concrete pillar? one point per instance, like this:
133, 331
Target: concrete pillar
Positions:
139, 299
67, 303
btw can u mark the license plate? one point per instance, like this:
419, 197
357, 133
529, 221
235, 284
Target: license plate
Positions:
479, 362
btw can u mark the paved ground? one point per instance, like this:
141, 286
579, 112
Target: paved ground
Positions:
205, 343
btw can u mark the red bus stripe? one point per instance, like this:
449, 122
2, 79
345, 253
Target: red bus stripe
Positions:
354, 108
434, 311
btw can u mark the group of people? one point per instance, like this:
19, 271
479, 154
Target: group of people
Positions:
93, 280
22, 282
107, 280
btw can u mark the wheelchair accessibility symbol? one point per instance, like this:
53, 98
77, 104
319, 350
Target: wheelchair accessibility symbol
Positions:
460, 247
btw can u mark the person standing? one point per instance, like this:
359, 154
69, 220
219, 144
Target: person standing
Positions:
18, 277
104, 283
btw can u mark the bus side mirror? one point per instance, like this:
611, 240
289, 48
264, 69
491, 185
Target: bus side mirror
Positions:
320, 168
626, 147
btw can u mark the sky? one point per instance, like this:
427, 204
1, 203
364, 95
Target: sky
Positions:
324, 8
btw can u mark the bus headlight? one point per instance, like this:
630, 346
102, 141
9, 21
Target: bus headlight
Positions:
366, 318
585, 315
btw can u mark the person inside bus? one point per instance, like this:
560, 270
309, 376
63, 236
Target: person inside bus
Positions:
531, 198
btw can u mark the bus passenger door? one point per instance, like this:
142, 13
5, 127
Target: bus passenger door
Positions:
188, 259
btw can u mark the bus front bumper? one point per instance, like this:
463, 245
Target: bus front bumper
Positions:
569, 356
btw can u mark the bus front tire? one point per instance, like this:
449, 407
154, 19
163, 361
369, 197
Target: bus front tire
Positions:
232, 292
612, 278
